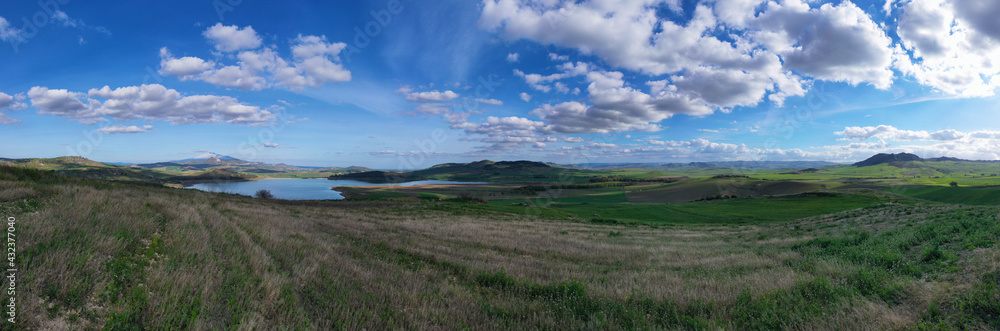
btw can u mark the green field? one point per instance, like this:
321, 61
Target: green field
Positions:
837, 247
115, 255
959, 195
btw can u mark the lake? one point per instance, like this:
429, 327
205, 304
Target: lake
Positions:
302, 189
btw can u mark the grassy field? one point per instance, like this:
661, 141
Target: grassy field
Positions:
959, 195
118, 256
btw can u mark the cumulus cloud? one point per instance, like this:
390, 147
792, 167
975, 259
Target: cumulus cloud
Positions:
431, 96
149, 102
973, 146
11, 102
981, 15
183, 67
513, 57
270, 145
832, 42
116, 129
951, 45
892, 133
232, 38
770, 51
969, 145
567, 70
505, 126
614, 106
525, 97
314, 62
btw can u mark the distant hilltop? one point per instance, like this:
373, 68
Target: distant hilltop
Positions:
463, 171
882, 158
888, 158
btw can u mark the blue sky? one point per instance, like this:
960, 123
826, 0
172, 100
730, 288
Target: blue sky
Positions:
409, 84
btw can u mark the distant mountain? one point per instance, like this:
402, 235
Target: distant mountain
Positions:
883, 158
57, 163
207, 157
455, 171
485, 165
769, 165
888, 158
209, 161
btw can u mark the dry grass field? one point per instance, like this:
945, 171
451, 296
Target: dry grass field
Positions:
99, 255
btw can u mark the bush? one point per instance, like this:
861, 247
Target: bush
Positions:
263, 194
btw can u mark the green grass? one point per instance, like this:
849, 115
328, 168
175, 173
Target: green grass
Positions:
959, 195
156, 258
731, 211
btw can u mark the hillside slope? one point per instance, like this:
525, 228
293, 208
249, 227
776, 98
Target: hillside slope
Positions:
123, 256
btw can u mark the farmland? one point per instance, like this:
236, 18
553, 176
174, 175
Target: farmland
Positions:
115, 255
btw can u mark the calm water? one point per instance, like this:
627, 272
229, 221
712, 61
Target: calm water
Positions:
301, 189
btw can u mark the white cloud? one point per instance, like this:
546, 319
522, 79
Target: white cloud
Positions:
232, 38
834, 42
405, 89
881, 131
736, 13
513, 57
892, 133
183, 67
952, 143
985, 134
981, 15
525, 97
505, 126
61, 17
125, 129
383, 152
770, 51
980, 145
315, 62
618, 107
270, 145
150, 102
11, 102
431, 96
494, 102
9, 33
567, 70
4, 119
557, 57
951, 46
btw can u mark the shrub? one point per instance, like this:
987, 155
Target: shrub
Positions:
263, 194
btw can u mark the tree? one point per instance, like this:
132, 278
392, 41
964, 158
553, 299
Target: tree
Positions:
954, 184
263, 194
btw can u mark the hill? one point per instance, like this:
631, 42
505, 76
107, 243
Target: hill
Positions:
749, 165
212, 161
473, 171
484, 167
105, 255
888, 158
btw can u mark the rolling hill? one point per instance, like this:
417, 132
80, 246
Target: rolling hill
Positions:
473, 171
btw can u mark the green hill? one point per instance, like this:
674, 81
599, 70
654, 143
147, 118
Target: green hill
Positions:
718, 187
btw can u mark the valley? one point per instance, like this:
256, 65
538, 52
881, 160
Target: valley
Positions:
539, 246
